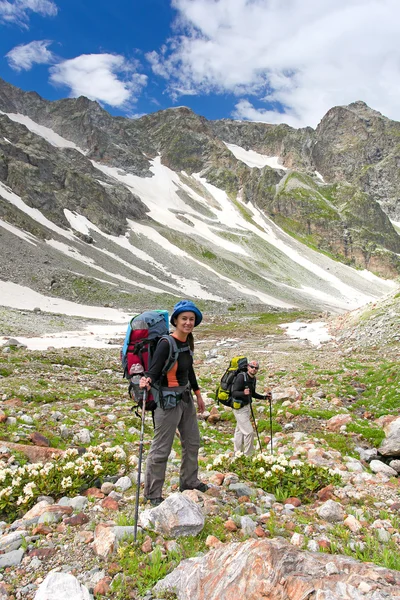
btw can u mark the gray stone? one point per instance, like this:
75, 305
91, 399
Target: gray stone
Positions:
395, 464
78, 503
177, 516
331, 511
247, 525
49, 517
123, 484
241, 489
12, 541
123, 531
82, 437
11, 559
62, 586
378, 466
26, 419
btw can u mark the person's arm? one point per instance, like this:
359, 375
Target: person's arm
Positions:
157, 363
195, 387
255, 394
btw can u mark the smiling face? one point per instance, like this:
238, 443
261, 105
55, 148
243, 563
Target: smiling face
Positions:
184, 323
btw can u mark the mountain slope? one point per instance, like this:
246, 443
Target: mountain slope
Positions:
133, 213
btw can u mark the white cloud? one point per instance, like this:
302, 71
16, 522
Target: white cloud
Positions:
17, 11
304, 55
107, 78
23, 57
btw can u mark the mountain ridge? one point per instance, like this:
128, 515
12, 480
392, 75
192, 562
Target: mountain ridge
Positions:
164, 199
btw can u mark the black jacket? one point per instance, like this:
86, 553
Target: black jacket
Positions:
244, 380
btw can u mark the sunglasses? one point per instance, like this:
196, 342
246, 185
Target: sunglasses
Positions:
253, 367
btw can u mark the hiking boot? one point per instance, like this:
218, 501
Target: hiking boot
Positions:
155, 501
202, 487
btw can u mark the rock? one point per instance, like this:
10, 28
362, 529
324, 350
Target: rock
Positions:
336, 422
123, 484
331, 511
109, 503
212, 541
11, 559
378, 466
39, 440
247, 525
104, 540
214, 416
123, 531
79, 519
36, 453
290, 393
352, 523
326, 493
42, 553
61, 586
296, 502
275, 570
12, 541
93, 492
27, 419
230, 525
395, 464
107, 487
76, 503
241, 489
82, 437
297, 540
102, 587
391, 444
45, 507
147, 545
177, 516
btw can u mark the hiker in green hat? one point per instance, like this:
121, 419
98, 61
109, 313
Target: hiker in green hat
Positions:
243, 390
175, 407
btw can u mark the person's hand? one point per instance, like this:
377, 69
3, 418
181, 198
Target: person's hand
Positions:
246, 391
268, 395
145, 382
200, 404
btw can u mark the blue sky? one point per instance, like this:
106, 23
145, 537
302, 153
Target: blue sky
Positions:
265, 60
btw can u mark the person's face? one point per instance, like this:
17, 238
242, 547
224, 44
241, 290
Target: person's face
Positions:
252, 370
184, 322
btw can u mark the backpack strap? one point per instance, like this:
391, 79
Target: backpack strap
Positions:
174, 353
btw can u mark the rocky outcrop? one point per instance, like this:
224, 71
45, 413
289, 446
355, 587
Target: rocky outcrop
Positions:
276, 570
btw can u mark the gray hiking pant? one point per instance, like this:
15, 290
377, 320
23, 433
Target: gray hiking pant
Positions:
183, 417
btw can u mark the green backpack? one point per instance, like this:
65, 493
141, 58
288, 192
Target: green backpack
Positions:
237, 365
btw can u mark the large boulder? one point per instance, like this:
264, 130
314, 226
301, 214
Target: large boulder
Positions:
276, 570
62, 586
177, 516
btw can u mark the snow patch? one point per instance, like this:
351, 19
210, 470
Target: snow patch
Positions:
24, 235
21, 297
45, 132
254, 159
316, 333
34, 213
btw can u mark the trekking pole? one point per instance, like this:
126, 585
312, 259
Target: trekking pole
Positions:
270, 419
140, 464
255, 425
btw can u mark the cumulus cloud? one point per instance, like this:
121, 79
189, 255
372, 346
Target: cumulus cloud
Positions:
107, 78
17, 11
23, 57
286, 60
